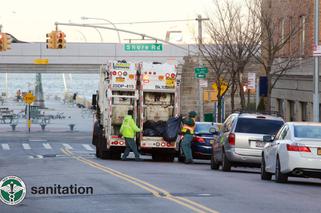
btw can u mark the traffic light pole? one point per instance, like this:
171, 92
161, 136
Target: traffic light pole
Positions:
200, 104
125, 31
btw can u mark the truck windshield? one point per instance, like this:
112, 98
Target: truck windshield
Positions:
258, 126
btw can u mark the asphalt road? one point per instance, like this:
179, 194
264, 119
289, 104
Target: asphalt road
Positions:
66, 158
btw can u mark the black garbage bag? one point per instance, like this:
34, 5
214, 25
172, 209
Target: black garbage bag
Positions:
172, 129
150, 133
149, 124
160, 127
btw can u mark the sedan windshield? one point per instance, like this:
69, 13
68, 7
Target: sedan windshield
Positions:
203, 128
301, 131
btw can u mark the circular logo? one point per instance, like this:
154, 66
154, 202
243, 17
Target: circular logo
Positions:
12, 190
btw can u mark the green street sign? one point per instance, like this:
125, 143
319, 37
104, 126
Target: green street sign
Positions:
154, 47
201, 70
200, 75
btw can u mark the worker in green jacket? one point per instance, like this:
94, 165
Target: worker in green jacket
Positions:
188, 132
128, 130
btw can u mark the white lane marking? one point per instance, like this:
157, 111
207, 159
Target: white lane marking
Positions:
89, 148
67, 146
26, 146
39, 156
5, 146
47, 146
37, 140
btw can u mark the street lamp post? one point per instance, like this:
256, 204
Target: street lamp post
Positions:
102, 19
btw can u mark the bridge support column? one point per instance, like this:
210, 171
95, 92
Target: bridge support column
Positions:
39, 92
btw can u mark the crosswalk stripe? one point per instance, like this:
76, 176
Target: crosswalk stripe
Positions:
5, 146
89, 148
47, 146
26, 146
67, 146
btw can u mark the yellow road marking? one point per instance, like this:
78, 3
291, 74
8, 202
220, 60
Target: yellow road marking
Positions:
156, 191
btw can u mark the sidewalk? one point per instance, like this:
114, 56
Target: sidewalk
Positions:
64, 116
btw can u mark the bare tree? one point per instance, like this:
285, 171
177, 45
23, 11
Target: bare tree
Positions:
234, 37
279, 49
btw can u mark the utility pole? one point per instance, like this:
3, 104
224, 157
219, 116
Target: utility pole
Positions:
200, 103
316, 109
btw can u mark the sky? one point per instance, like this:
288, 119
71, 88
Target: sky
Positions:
30, 20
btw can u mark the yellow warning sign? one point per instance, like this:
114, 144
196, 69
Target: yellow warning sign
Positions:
29, 98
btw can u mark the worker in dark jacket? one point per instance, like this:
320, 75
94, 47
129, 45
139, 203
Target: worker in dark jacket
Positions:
128, 130
188, 131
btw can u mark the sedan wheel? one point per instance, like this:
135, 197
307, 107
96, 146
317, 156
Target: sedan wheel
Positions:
226, 165
264, 174
214, 164
279, 177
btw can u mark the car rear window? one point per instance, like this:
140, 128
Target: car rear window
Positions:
301, 131
258, 126
203, 128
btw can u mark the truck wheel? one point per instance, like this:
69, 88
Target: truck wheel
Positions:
264, 174
105, 155
214, 164
279, 177
115, 155
97, 151
96, 133
169, 158
226, 165
155, 157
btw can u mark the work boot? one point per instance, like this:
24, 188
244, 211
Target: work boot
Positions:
189, 161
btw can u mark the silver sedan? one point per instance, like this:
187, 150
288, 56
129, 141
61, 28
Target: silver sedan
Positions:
295, 151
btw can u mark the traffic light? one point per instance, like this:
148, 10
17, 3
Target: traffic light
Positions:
7, 41
61, 42
51, 40
1, 42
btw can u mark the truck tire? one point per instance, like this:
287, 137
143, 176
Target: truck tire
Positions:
156, 157
169, 157
115, 155
96, 133
226, 165
101, 151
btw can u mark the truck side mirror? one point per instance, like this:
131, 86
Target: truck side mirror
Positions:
94, 100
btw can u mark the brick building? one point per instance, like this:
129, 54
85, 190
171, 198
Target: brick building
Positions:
293, 93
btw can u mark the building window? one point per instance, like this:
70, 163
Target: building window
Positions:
280, 103
302, 35
290, 31
304, 111
282, 30
291, 111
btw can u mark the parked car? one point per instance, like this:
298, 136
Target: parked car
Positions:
202, 141
295, 151
240, 142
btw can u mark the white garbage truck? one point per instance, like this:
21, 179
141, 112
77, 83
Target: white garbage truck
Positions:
116, 95
151, 90
159, 100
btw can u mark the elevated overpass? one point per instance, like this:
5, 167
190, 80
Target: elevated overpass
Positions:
80, 57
